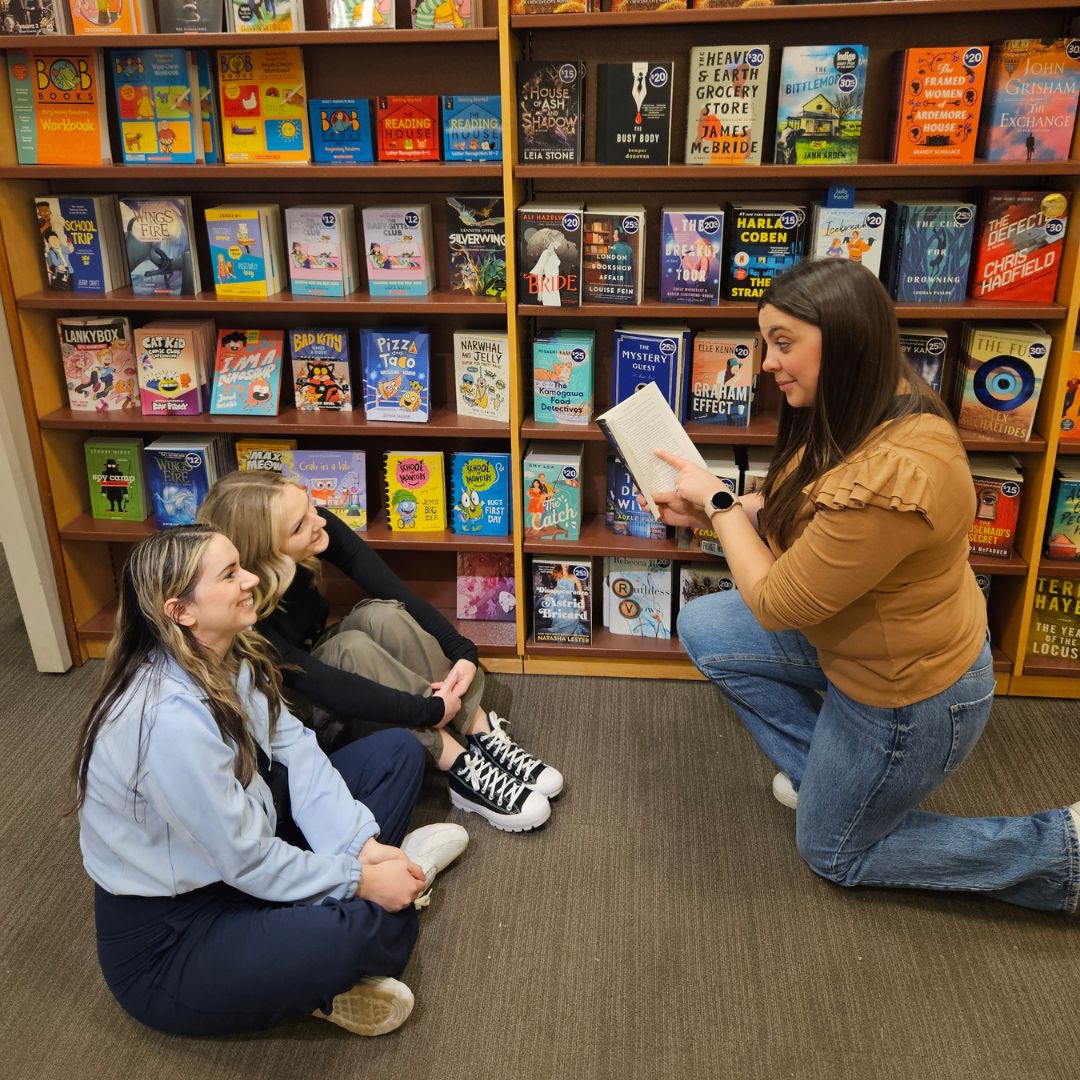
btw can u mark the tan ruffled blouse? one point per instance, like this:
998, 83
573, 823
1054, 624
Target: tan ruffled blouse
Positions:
877, 577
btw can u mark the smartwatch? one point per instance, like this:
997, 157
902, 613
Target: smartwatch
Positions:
720, 503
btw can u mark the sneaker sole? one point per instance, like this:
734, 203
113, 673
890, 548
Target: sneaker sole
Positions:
503, 822
375, 1006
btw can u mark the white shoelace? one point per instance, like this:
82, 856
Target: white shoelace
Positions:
487, 779
509, 755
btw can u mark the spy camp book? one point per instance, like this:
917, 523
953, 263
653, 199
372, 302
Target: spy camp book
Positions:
114, 472
633, 113
929, 251
725, 114
691, 241
476, 245
549, 254
550, 111
763, 241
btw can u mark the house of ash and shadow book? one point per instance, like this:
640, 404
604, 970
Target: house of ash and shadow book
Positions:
415, 488
725, 113
998, 484
551, 478
480, 489
476, 245
482, 374
691, 241
114, 471
80, 243
320, 369
335, 479
613, 254
562, 601
247, 373
396, 362
929, 251
633, 113
763, 241
549, 254
550, 111
341, 130
638, 597
160, 245
99, 362
1054, 633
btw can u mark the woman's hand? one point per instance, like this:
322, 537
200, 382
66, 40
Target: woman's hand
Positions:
450, 693
685, 504
463, 672
373, 853
392, 885
752, 505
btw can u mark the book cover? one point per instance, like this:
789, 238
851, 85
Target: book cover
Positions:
247, 373
360, 14
926, 348
485, 586
480, 487
940, 96
242, 251
179, 473
170, 369
99, 364
691, 242
58, 107
471, 126
158, 241
107, 17
73, 243
206, 76
114, 472
641, 358
262, 454
725, 113
550, 111
563, 376
263, 113
407, 127
334, 479
476, 245
41, 17
820, 104
322, 249
341, 130
623, 514
1063, 517
998, 488
399, 251
482, 374
763, 242
445, 14
320, 369
397, 374
929, 251
552, 485
415, 491
265, 16
562, 601
724, 376
612, 257
1018, 247
633, 113
849, 232
1054, 633
697, 580
549, 253
638, 597
156, 107
1032, 86
1069, 422
553, 7
190, 16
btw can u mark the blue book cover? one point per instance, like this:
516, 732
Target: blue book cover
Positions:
341, 130
397, 373
623, 514
155, 110
472, 127
335, 479
481, 490
690, 243
178, 478
563, 377
157, 239
930, 252
320, 369
208, 103
639, 359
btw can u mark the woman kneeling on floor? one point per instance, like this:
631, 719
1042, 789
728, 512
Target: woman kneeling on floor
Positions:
241, 876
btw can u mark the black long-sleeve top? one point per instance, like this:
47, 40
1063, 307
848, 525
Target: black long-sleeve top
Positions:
300, 618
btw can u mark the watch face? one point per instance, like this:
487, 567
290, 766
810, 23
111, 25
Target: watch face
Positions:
721, 500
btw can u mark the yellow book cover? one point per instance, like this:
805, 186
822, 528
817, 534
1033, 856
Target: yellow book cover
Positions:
263, 106
262, 454
416, 491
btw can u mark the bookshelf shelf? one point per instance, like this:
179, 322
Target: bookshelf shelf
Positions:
1068, 448
975, 442
1014, 566
232, 174
1053, 669
761, 432
608, 646
1066, 568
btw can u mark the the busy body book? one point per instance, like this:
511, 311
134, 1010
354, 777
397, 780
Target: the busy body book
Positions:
637, 426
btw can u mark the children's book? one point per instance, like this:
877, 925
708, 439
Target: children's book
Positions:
550, 111
633, 112
208, 103
638, 597
360, 14
926, 348
180, 470
446, 14
1032, 87
485, 586
552, 484
397, 374
1055, 620
80, 243
265, 16
549, 254
563, 376
764, 240
160, 245
623, 514
415, 491
158, 110
562, 601
820, 105
190, 16
322, 249
341, 130
480, 485
725, 114
471, 126
407, 127
476, 245
399, 250
613, 254
173, 366
40, 17
1069, 422
263, 106
245, 250
247, 373
724, 377
111, 16
482, 374
262, 454
929, 251
854, 232
998, 486
336, 480
553, 7
114, 471
99, 366
320, 369
58, 107
691, 241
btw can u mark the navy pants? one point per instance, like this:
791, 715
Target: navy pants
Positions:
216, 960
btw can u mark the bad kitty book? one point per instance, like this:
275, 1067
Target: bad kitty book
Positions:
335, 479
415, 491
320, 369
247, 373
99, 363
480, 488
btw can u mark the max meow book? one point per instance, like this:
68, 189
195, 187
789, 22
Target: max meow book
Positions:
929, 251
336, 480
320, 369
247, 373
549, 254
724, 377
159, 243
397, 373
725, 113
613, 254
415, 491
482, 374
261, 455
476, 245
341, 130
550, 111
763, 241
562, 601
263, 106
114, 472
633, 113
691, 241
99, 364
480, 489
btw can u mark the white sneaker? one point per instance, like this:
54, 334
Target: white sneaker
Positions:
373, 1006
434, 847
497, 746
783, 792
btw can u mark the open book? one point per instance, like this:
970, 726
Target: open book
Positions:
637, 426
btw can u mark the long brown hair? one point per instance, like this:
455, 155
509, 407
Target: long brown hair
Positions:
165, 565
862, 367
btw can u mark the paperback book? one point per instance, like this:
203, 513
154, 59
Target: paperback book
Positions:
99, 364
724, 377
160, 245
472, 127
446, 14
323, 259
691, 243
638, 597
320, 369
1054, 633
725, 114
360, 14
265, 16
1063, 518
480, 486
623, 514
926, 348
415, 491
485, 586
245, 250
697, 580
929, 251
208, 102
549, 254
849, 232
80, 243
407, 127
998, 486
651, 353
335, 480
114, 472
476, 245
40, 17
397, 374
613, 254
190, 16
247, 373
563, 376
341, 130
180, 470
156, 92
562, 601
399, 249
1069, 423
764, 240
262, 455
482, 374
633, 113
111, 16
550, 111
552, 485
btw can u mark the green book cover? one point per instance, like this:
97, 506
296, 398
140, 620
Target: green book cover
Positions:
114, 472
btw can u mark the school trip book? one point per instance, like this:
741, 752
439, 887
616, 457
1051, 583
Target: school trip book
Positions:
80, 243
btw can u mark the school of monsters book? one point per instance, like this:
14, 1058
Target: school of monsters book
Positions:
550, 111
415, 491
725, 115
476, 245
480, 486
562, 601
320, 369
1055, 620
114, 472
633, 113
335, 479
99, 365
247, 373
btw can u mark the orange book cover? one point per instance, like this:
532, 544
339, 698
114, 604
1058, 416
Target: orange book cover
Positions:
940, 95
105, 17
1070, 406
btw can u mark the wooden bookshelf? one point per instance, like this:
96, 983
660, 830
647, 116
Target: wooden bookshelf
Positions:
377, 172
405, 38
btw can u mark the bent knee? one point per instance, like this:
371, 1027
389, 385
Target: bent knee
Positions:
825, 863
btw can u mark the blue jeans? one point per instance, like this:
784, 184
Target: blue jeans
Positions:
861, 771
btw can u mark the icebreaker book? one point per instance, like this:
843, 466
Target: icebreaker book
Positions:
415, 491
320, 369
480, 487
156, 92
335, 480
849, 232
247, 373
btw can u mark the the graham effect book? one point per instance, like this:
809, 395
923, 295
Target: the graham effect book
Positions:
320, 369
99, 363
763, 241
691, 242
562, 601
157, 106
158, 238
725, 115
481, 491
472, 127
820, 104
482, 374
263, 106
341, 130
633, 113
550, 112
114, 472
335, 479
552, 484
247, 373
549, 254
397, 374
415, 491
723, 378
476, 245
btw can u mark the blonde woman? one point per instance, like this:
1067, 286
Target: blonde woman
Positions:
392, 660
219, 906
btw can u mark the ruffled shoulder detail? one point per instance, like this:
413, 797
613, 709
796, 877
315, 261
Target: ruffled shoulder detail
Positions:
885, 477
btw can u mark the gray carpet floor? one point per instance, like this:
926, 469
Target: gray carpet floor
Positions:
661, 925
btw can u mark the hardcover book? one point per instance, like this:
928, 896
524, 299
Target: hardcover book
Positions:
399, 249
265, 16
562, 601
652, 352
480, 485
1070, 408
1054, 633
476, 245
725, 114
485, 586
407, 127
926, 348
849, 232
549, 253
552, 485
472, 127
245, 250
360, 14
691, 242
320, 369
563, 376
623, 514
764, 240
820, 106
341, 130
1032, 86
190, 16
247, 373
160, 245
397, 374
1019, 245
482, 374
998, 486
179, 472
323, 257
553, 7
79, 243
633, 113
550, 111
415, 491
334, 479
724, 377
702, 580
1063, 518
638, 597
99, 365
263, 455
929, 251
613, 255
114, 471
173, 361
